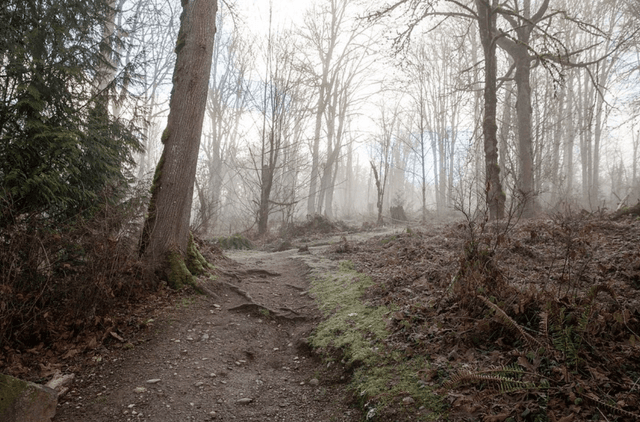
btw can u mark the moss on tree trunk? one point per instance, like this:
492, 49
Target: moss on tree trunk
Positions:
196, 263
182, 271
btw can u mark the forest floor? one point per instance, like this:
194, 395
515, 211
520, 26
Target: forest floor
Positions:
243, 355
534, 321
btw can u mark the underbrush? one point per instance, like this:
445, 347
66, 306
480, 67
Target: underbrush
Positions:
535, 322
236, 241
314, 225
62, 283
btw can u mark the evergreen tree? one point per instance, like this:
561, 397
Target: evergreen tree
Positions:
59, 147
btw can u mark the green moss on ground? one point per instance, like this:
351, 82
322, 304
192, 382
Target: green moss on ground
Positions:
388, 383
236, 241
349, 325
380, 377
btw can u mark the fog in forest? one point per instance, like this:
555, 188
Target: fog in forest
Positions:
336, 109
353, 109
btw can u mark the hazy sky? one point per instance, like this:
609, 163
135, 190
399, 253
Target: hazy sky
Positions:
256, 12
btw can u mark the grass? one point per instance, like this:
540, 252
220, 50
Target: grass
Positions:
185, 302
388, 239
358, 331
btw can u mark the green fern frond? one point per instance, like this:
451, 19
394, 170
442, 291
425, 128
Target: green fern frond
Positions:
564, 340
503, 383
583, 321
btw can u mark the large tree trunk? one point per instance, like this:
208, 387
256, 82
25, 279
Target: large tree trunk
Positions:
265, 194
557, 139
519, 51
495, 197
525, 135
570, 138
505, 130
165, 237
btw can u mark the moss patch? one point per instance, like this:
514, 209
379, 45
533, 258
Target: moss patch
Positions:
178, 275
387, 384
237, 241
196, 263
10, 389
350, 326
359, 331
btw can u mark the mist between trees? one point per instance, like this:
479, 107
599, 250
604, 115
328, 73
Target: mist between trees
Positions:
348, 110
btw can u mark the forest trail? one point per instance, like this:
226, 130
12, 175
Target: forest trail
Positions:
221, 358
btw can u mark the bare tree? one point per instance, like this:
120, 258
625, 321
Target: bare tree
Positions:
149, 31
495, 196
485, 14
434, 68
382, 148
331, 36
227, 103
523, 23
346, 79
283, 107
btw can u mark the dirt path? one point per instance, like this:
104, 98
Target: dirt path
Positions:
215, 359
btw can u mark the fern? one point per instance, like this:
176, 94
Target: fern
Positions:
531, 341
610, 407
500, 378
563, 339
593, 292
544, 325
583, 321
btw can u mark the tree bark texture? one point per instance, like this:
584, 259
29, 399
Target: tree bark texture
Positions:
166, 229
380, 185
495, 197
525, 135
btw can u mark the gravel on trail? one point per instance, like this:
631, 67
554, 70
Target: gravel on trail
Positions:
206, 358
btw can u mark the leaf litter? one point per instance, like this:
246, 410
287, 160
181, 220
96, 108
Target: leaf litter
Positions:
537, 321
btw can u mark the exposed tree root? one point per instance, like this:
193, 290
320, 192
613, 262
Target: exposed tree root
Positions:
236, 289
261, 309
202, 289
252, 305
254, 271
251, 271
